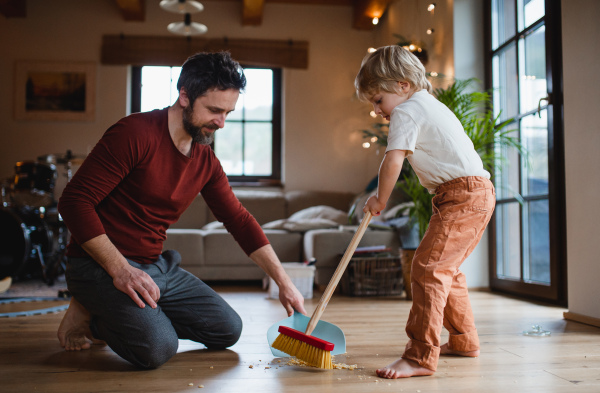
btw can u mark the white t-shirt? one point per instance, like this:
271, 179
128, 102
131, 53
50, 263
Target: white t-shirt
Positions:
437, 146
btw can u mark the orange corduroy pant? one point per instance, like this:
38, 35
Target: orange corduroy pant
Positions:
462, 208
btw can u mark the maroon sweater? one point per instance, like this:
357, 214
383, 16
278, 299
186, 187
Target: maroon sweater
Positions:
135, 183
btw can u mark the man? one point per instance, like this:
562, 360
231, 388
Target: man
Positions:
140, 177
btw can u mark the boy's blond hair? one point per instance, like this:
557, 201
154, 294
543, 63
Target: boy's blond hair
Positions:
384, 68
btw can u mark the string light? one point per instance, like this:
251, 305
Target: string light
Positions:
430, 31
431, 7
374, 139
373, 114
375, 20
366, 145
433, 73
371, 50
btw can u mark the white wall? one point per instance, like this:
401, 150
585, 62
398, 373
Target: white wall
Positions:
469, 63
581, 56
322, 142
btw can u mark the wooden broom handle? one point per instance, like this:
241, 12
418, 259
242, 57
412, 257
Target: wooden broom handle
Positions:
335, 279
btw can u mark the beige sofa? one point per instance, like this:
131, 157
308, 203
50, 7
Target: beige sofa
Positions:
212, 254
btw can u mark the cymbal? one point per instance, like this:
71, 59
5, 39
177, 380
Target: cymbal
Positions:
59, 158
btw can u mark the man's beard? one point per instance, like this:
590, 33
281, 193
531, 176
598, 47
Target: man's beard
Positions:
195, 131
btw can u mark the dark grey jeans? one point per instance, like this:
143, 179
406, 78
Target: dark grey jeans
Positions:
147, 337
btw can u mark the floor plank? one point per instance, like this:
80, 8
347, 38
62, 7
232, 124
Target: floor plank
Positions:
567, 361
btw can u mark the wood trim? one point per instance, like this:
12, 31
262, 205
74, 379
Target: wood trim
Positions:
173, 51
572, 316
252, 12
13, 8
132, 10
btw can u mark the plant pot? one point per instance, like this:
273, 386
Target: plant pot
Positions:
406, 257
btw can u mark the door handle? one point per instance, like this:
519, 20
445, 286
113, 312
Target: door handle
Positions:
547, 99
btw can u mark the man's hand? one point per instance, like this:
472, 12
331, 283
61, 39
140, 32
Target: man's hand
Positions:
374, 206
291, 299
126, 278
133, 281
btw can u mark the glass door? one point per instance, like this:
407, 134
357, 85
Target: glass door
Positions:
528, 228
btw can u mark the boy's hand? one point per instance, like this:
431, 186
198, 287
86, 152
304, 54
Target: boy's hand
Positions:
374, 206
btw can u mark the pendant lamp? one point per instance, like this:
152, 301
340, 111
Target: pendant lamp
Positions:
181, 6
187, 27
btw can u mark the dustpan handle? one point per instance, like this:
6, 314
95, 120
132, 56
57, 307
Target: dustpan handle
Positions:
335, 279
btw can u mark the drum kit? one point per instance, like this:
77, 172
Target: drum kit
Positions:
33, 236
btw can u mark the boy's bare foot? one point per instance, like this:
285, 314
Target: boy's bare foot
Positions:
444, 350
403, 368
74, 331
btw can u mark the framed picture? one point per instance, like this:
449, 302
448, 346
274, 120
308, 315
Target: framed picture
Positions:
60, 91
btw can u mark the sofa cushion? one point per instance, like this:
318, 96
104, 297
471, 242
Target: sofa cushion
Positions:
301, 225
299, 200
221, 249
189, 243
265, 206
321, 212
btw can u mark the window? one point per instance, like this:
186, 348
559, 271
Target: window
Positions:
249, 146
529, 241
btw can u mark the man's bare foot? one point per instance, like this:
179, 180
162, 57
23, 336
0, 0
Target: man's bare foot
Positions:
444, 350
74, 331
403, 368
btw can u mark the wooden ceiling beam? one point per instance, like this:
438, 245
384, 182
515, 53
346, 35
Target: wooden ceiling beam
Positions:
13, 8
252, 12
366, 10
132, 10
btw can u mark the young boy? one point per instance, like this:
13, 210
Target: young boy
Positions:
429, 135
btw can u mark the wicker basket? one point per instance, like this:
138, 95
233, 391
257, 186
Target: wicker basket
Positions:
373, 276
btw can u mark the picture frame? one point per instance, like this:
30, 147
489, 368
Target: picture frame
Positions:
55, 91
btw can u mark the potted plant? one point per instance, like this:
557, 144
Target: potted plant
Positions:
489, 136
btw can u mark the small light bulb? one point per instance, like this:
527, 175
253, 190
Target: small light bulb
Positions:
419, 50
375, 20
431, 7
433, 73
371, 50
411, 47
430, 31
373, 114
374, 139
366, 145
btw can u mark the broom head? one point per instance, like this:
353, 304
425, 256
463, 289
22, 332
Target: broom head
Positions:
310, 349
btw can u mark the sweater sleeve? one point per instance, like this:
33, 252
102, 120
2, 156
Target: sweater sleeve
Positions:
105, 167
229, 210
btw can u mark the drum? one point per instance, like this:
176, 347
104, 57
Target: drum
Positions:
34, 184
28, 243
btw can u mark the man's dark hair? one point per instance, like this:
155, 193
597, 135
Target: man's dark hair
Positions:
206, 71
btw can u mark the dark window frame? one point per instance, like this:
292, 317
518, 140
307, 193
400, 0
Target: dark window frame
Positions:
248, 181
556, 292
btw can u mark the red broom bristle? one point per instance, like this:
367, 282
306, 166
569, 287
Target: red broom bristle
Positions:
310, 340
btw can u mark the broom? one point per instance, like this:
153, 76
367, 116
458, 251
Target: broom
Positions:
303, 346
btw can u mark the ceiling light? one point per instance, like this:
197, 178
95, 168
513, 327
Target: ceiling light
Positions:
187, 27
181, 6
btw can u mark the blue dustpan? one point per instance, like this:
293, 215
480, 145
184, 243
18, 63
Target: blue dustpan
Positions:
324, 330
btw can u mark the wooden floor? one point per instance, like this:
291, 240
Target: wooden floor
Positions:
567, 361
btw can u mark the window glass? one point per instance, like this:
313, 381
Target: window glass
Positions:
534, 137
505, 83
503, 21
532, 70
508, 241
258, 153
538, 228
229, 149
530, 11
